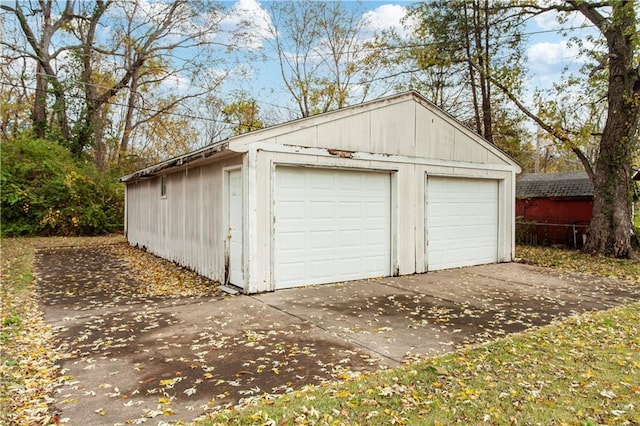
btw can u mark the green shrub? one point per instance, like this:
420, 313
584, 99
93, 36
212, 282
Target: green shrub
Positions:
46, 191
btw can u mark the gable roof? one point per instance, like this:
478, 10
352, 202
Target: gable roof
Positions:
543, 185
239, 143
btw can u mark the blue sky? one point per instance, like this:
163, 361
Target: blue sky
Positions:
547, 51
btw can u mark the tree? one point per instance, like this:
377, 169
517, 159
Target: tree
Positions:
165, 135
149, 40
610, 231
38, 46
461, 43
243, 115
455, 47
321, 54
15, 99
98, 83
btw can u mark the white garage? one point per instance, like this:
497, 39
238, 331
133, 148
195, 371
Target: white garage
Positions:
330, 225
388, 187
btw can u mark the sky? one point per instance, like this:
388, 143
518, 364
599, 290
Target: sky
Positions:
257, 73
547, 52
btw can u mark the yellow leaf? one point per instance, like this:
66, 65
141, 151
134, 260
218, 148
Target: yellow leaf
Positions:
342, 394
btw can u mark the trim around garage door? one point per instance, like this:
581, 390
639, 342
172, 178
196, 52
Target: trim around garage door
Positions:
461, 222
330, 225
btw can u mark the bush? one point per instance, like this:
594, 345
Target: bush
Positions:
46, 191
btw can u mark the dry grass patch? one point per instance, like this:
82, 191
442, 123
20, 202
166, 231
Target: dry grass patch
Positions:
574, 260
28, 374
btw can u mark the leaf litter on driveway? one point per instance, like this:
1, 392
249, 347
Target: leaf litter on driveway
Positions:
147, 341
144, 339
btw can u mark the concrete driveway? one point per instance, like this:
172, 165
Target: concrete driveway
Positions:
133, 360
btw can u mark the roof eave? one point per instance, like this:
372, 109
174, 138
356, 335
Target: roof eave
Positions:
179, 161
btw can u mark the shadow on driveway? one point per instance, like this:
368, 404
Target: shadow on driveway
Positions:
132, 359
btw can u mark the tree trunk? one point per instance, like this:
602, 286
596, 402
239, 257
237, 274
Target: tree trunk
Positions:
472, 72
487, 113
610, 231
39, 112
128, 123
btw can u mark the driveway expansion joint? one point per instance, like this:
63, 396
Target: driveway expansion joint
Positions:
326, 330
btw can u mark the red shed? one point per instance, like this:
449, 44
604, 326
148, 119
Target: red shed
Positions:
553, 208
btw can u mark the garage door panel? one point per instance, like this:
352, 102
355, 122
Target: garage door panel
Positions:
349, 265
462, 222
292, 241
321, 239
321, 209
341, 218
290, 270
350, 239
351, 210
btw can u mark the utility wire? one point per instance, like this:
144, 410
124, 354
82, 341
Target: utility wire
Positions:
138, 107
268, 59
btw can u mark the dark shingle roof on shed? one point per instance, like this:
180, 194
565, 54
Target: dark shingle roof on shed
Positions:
542, 185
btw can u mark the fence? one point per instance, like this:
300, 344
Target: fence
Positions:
571, 235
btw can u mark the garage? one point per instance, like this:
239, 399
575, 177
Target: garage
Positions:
392, 186
330, 225
461, 222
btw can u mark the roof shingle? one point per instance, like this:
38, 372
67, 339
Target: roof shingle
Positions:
541, 185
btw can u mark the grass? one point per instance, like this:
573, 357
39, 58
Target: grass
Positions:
583, 370
574, 260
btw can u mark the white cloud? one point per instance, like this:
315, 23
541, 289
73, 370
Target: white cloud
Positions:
246, 25
547, 61
545, 54
385, 17
549, 21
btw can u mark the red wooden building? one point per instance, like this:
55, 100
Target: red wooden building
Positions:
553, 208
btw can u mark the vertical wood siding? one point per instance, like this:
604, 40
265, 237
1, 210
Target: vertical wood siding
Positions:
405, 128
186, 226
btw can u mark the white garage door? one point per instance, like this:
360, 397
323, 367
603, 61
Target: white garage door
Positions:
462, 222
330, 225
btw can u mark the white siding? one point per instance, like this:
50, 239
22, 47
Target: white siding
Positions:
187, 226
406, 127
